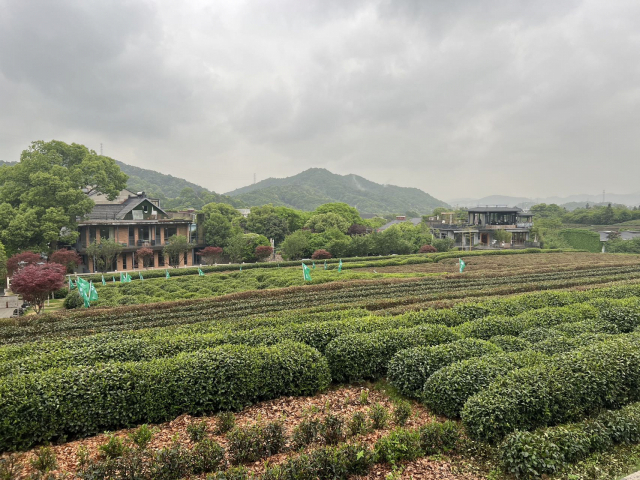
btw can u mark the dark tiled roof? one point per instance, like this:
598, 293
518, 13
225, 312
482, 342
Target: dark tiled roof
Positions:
494, 209
118, 211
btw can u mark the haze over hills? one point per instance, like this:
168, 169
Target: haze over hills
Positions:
570, 202
315, 186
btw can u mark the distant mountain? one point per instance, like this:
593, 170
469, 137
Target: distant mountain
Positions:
10, 164
570, 202
173, 192
313, 187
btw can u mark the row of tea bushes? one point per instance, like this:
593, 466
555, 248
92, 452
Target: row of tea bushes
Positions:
567, 388
80, 401
531, 455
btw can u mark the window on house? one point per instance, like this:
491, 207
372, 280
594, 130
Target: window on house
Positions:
124, 261
145, 208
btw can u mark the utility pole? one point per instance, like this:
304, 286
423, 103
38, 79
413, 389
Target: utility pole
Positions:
602, 196
100, 148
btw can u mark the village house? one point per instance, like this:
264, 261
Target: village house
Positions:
135, 221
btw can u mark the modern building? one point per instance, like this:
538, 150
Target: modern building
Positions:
483, 223
135, 221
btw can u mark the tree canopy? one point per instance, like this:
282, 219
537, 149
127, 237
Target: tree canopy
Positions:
41, 196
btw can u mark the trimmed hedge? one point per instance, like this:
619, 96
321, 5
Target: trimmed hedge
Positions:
488, 327
623, 313
533, 454
509, 343
447, 390
365, 356
409, 369
81, 401
603, 375
154, 344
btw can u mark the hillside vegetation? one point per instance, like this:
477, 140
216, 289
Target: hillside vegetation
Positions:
173, 192
313, 187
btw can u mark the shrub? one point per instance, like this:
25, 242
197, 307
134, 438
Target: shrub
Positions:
73, 300
509, 343
399, 445
602, 375
379, 416
533, 454
306, 432
321, 255
233, 473
438, 437
365, 356
225, 421
171, 463
197, 430
332, 429
263, 251
44, 460
409, 369
358, 424
248, 444
447, 390
141, 436
10, 467
85, 400
114, 447
401, 412
206, 456
427, 249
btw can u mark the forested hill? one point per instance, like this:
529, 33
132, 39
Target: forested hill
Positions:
9, 164
173, 192
313, 187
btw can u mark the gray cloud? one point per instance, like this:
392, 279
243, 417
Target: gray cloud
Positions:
458, 98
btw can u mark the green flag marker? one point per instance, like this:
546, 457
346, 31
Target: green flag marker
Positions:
93, 293
140, 274
200, 272
103, 281
240, 267
462, 265
128, 278
114, 279
325, 264
313, 265
71, 285
305, 273
340, 266
166, 274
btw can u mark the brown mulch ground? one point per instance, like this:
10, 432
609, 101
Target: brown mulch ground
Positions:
343, 401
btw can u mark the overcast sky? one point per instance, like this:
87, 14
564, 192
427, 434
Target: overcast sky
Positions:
461, 98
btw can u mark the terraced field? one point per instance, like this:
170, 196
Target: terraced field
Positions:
529, 366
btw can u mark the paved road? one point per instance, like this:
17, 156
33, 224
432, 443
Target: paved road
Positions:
8, 305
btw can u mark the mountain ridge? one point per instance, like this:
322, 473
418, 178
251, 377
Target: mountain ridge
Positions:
314, 186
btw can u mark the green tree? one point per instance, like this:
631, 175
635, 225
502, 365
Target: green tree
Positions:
347, 212
242, 247
265, 221
326, 221
104, 253
218, 223
502, 236
41, 197
542, 210
176, 246
295, 218
297, 245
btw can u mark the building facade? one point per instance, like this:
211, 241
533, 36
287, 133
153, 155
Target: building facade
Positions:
135, 221
483, 223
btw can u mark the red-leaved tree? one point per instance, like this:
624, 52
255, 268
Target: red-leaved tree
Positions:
146, 255
29, 258
210, 254
36, 282
263, 252
427, 249
67, 258
321, 255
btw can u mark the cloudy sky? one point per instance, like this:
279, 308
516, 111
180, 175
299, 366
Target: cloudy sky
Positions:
459, 98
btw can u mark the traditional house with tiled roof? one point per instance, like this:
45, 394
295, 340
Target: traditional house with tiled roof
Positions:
135, 221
